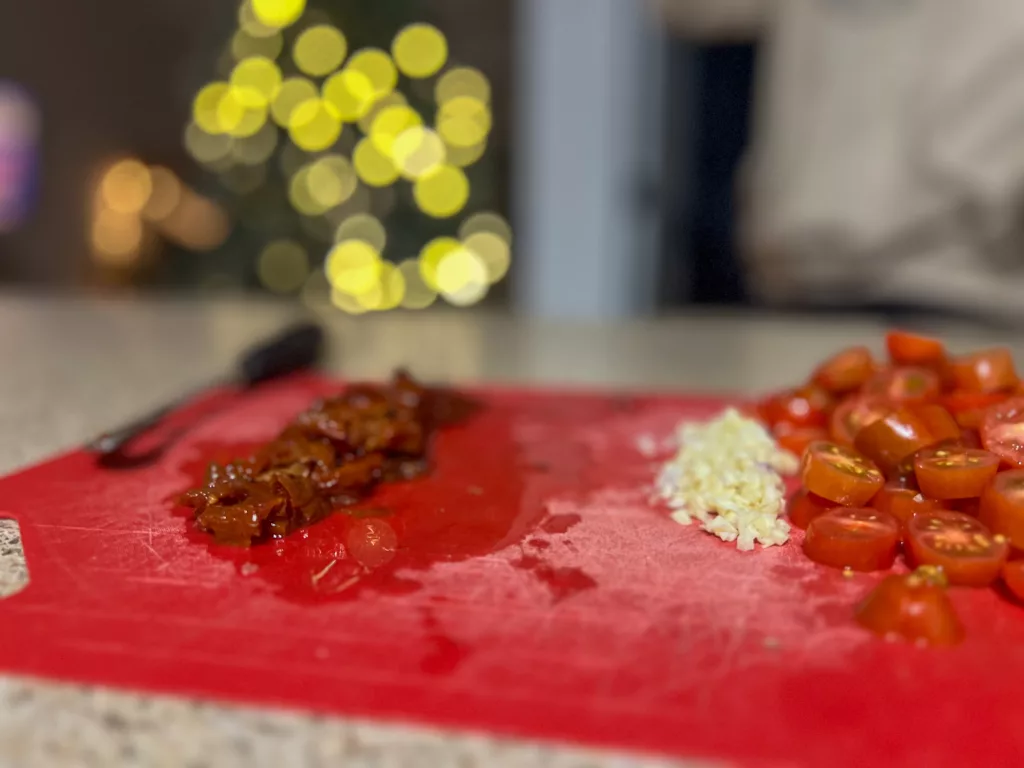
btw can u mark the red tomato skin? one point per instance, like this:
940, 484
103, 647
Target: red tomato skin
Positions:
824, 545
906, 348
938, 421
1013, 577
986, 371
963, 572
894, 437
1000, 510
999, 431
902, 502
846, 371
954, 482
853, 414
905, 385
803, 506
911, 608
797, 440
806, 406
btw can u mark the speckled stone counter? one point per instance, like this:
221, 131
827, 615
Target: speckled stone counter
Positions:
72, 368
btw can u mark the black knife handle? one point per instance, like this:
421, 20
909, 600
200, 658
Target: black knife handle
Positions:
295, 349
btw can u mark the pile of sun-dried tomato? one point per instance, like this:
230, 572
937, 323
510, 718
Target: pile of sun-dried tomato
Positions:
332, 455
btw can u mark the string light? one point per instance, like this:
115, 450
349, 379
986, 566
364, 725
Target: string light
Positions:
349, 94
126, 186
293, 92
347, 303
431, 256
373, 168
319, 50
165, 196
395, 98
255, 81
463, 121
300, 195
462, 277
256, 149
206, 106
244, 45
353, 267
312, 126
363, 226
462, 81
418, 152
331, 181
419, 50
493, 252
418, 295
116, 237
486, 221
251, 25
278, 13
442, 193
283, 266
389, 123
378, 68
463, 157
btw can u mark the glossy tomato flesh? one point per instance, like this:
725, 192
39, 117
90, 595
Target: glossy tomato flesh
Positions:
905, 385
853, 414
907, 348
902, 502
1013, 577
1002, 506
968, 408
912, 607
953, 472
939, 422
840, 474
862, 539
894, 437
967, 551
1002, 431
990, 370
803, 506
846, 371
806, 406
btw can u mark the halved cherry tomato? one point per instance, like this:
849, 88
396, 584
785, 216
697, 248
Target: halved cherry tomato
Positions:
804, 506
855, 413
967, 551
1013, 576
913, 607
990, 370
907, 348
847, 537
846, 371
1002, 506
905, 385
953, 472
839, 474
939, 422
970, 438
806, 406
796, 441
1002, 431
968, 408
902, 502
898, 434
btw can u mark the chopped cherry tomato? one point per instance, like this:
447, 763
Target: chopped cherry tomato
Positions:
1013, 576
990, 370
846, 371
797, 440
839, 474
908, 385
939, 422
968, 553
970, 507
1002, 506
804, 506
969, 438
855, 413
895, 436
968, 408
807, 406
913, 607
902, 502
1002, 431
862, 539
953, 472
907, 348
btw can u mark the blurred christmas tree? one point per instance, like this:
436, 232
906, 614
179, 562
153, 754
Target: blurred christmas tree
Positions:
350, 151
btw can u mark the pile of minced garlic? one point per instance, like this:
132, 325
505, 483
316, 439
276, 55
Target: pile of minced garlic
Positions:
726, 476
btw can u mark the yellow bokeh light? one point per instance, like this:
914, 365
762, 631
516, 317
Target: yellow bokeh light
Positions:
293, 92
116, 237
431, 256
373, 168
353, 267
389, 123
283, 266
463, 121
126, 186
196, 223
377, 67
486, 221
331, 180
419, 50
206, 106
255, 81
418, 295
462, 81
418, 152
443, 193
319, 50
230, 112
278, 13
395, 98
387, 293
363, 226
300, 196
350, 95
464, 157
256, 149
243, 179
494, 253
347, 303
462, 277
251, 25
245, 44
165, 196
312, 127
249, 123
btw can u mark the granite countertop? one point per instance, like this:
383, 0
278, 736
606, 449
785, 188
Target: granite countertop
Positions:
74, 367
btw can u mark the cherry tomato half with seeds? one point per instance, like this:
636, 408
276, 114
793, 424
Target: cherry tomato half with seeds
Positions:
862, 539
902, 502
967, 551
846, 371
939, 422
905, 385
1002, 431
987, 371
839, 474
894, 437
913, 607
1002, 506
954, 472
806, 406
907, 348
1013, 577
803, 506
855, 413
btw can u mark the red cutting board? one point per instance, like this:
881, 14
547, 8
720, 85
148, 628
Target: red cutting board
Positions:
535, 592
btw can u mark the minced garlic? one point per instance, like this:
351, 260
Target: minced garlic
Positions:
726, 475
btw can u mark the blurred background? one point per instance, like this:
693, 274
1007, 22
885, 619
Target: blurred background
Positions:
567, 158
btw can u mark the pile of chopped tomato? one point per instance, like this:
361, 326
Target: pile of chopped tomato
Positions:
921, 456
